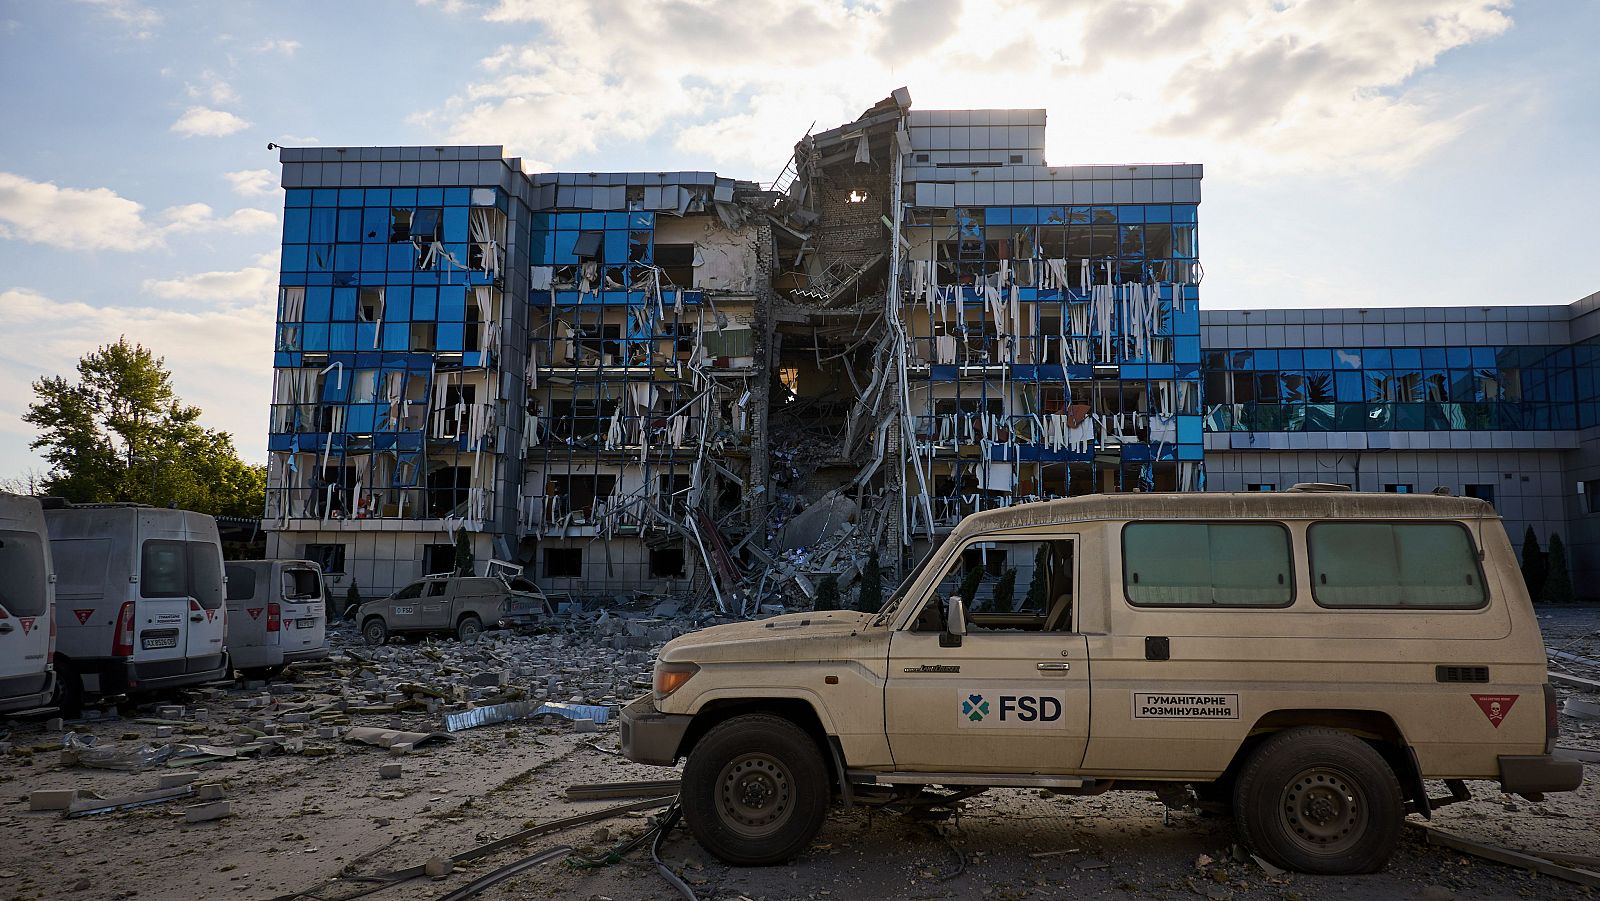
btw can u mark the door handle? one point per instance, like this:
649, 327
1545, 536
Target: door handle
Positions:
195, 618
1055, 667
5, 628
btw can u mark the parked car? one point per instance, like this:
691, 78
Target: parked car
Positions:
1305, 660
276, 615
27, 606
139, 599
463, 605
528, 608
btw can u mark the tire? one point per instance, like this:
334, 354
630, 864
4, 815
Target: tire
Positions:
264, 673
69, 691
1321, 801
755, 790
469, 628
374, 631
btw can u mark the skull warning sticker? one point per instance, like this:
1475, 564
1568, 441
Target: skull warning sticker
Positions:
83, 616
1495, 707
1152, 706
1010, 708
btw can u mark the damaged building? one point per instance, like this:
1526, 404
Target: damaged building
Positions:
678, 382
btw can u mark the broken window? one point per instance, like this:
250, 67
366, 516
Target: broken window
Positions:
563, 562
427, 225
677, 264
370, 306
667, 563
328, 556
438, 558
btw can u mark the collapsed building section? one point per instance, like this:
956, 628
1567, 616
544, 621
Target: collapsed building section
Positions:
679, 383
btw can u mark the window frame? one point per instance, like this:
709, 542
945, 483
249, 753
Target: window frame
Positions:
1472, 546
1293, 582
1074, 539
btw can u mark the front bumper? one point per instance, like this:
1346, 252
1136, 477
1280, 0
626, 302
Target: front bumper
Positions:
1535, 773
650, 736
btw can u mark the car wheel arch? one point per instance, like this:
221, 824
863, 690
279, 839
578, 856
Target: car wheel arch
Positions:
798, 710
1375, 727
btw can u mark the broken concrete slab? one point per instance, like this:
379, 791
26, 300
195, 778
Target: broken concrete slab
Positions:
205, 813
88, 806
172, 780
389, 771
386, 738
52, 798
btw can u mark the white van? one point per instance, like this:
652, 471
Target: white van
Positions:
276, 614
27, 606
139, 599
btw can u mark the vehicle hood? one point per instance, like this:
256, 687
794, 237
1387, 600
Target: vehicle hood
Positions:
830, 635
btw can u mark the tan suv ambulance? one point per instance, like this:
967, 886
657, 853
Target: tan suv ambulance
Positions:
1304, 659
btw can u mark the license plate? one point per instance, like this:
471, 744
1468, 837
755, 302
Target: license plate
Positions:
306, 622
160, 643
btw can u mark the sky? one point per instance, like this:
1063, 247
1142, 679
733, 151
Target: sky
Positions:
1361, 153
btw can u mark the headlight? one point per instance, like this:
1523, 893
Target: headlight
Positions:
669, 677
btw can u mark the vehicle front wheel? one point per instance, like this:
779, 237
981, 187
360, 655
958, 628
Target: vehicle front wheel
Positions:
1318, 800
469, 628
755, 790
69, 691
375, 632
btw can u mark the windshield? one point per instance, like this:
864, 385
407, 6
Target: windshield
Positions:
893, 604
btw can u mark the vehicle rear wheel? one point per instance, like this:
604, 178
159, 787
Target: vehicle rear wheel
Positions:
69, 690
755, 790
469, 628
1318, 800
264, 673
374, 631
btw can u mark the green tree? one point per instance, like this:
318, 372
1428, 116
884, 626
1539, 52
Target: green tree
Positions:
1005, 591
969, 586
828, 593
1039, 582
119, 433
869, 598
1557, 580
1533, 565
464, 559
352, 596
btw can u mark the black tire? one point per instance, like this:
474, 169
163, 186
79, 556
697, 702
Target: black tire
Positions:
1318, 800
69, 691
469, 628
755, 790
375, 632
264, 673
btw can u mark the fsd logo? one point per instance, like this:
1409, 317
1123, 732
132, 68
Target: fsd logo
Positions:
1010, 708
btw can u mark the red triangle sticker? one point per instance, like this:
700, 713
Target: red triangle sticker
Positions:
27, 624
255, 612
83, 616
1495, 707
210, 614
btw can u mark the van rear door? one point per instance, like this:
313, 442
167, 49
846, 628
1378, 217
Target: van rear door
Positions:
207, 614
249, 589
161, 615
304, 625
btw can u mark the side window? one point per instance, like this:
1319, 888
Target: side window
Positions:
1205, 564
163, 570
1371, 564
410, 592
24, 583
436, 589
1010, 585
205, 574
241, 583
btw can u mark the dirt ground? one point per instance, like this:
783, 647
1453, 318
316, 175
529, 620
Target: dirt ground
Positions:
301, 820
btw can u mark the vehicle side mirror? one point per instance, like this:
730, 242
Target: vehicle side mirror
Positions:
955, 622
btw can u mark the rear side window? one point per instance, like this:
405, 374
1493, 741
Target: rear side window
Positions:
241, 583
1204, 564
23, 580
1372, 564
181, 569
301, 585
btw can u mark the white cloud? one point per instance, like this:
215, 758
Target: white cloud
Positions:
200, 120
72, 218
101, 219
212, 88
258, 283
140, 20
219, 353
450, 7
199, 217
1257, 85
252, 182
283, 46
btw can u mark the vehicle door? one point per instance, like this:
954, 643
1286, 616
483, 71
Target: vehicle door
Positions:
1010, 696
26, 596
304, 617
205, 586
161, 615
247, 605
434, 612
402, 612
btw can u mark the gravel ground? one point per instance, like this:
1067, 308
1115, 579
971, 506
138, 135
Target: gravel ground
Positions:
301, 819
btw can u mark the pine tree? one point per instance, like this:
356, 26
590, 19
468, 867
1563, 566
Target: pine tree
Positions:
1557, 581
969, 586
352, 596
1005, 591
1039, 583
464, 560
869, 598
1534, 567
828, 593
